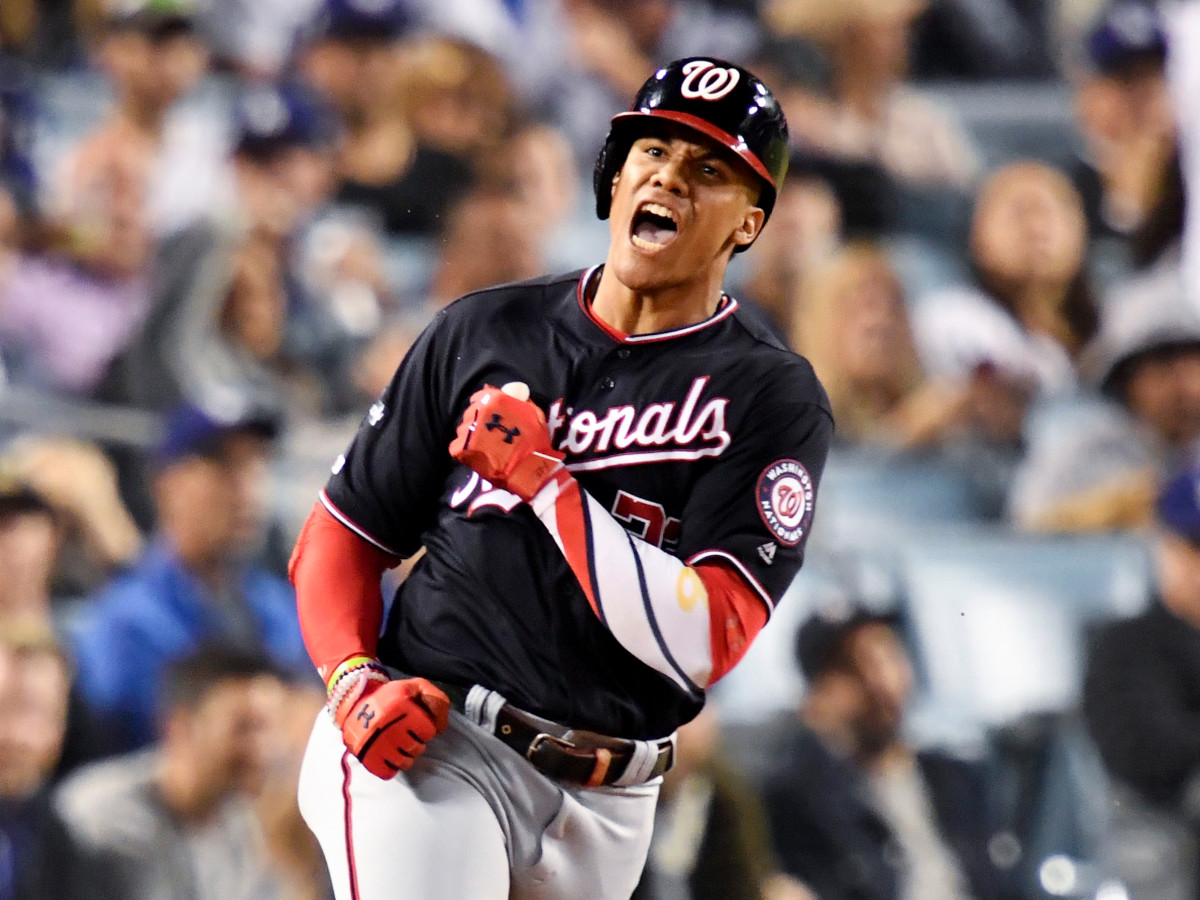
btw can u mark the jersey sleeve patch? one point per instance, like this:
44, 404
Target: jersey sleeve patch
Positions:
786, 498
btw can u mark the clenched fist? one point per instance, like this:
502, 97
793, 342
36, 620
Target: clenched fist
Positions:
386, 724
503, 436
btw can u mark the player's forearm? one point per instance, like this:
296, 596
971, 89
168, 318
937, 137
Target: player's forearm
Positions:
337, 578
691, 624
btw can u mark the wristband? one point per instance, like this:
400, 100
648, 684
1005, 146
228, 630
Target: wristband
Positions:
345, 666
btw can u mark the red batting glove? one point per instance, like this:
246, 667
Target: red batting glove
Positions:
503, 436
386, 724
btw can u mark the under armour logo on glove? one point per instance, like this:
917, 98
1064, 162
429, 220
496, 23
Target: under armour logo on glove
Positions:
411, 711
509, 433
517, 458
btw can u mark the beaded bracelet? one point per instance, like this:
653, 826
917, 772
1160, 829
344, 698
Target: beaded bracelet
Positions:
346, 680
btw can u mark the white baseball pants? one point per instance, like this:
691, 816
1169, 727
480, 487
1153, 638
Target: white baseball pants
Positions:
472, 820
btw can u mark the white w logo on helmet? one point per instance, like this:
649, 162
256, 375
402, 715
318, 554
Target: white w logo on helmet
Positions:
707, 81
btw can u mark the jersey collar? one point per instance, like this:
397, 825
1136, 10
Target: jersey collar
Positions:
726, 308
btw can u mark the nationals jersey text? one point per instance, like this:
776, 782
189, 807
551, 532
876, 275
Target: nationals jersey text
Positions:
707, 441
626, 428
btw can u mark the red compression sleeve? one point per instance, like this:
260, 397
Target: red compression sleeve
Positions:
736, 615
336, 574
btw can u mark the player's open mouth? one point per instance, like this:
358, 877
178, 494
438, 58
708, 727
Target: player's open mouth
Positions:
653, 227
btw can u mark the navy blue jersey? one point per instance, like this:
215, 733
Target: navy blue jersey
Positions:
707, 441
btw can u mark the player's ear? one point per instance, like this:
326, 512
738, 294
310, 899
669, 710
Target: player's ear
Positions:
752, 223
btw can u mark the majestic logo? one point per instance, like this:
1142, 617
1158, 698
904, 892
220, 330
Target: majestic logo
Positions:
509, 433
705, 80
767, 551
657, 433
785, 500
375, 413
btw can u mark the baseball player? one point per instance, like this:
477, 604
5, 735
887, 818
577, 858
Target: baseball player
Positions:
613, 474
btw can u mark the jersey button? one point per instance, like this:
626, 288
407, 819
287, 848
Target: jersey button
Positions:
623, 353
607, 383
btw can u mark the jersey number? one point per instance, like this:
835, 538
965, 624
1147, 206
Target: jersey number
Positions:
647, 520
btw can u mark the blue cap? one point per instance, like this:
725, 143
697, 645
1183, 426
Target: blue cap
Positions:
273, 117
1126, 32
382, 20
192, 431
1178, 505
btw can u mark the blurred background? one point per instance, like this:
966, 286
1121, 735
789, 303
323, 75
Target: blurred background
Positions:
223, 222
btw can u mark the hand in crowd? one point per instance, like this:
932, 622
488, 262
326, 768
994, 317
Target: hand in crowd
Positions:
79, 480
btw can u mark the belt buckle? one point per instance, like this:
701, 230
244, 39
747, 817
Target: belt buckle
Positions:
541, 737
669, 762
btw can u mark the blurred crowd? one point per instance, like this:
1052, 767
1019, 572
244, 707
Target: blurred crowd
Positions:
223, 222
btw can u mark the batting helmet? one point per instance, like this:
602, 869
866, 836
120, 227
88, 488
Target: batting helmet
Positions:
716, 98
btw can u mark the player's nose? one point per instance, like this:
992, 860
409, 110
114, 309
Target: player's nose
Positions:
671, 175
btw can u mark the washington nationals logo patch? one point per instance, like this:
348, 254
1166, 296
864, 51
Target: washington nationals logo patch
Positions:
785, 500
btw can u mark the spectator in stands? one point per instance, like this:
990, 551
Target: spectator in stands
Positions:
41, 860
491, 237
72, 301
854, 811
153, 56
1127, 121
178, 819
535, 164
710, 838
800, 74
1096, 465
29, 536
873, 113
1031, 309
17, 114
354, 58
31, 539
294, 853
851, 322
85, 516
256, 38
17, 22
197, 582
962, 40
807, 230
606, 42
50, 34
1142, 705
458, 98
268, 309
526, 36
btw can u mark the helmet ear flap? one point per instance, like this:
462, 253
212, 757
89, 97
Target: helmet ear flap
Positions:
608, 164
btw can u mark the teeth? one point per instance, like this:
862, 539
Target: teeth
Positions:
658, 210
645, 244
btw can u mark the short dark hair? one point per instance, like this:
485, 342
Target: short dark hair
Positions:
18, 499
821, 638
187, 681
1116, 382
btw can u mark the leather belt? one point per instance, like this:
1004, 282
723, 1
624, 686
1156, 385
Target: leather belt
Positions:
570, 754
